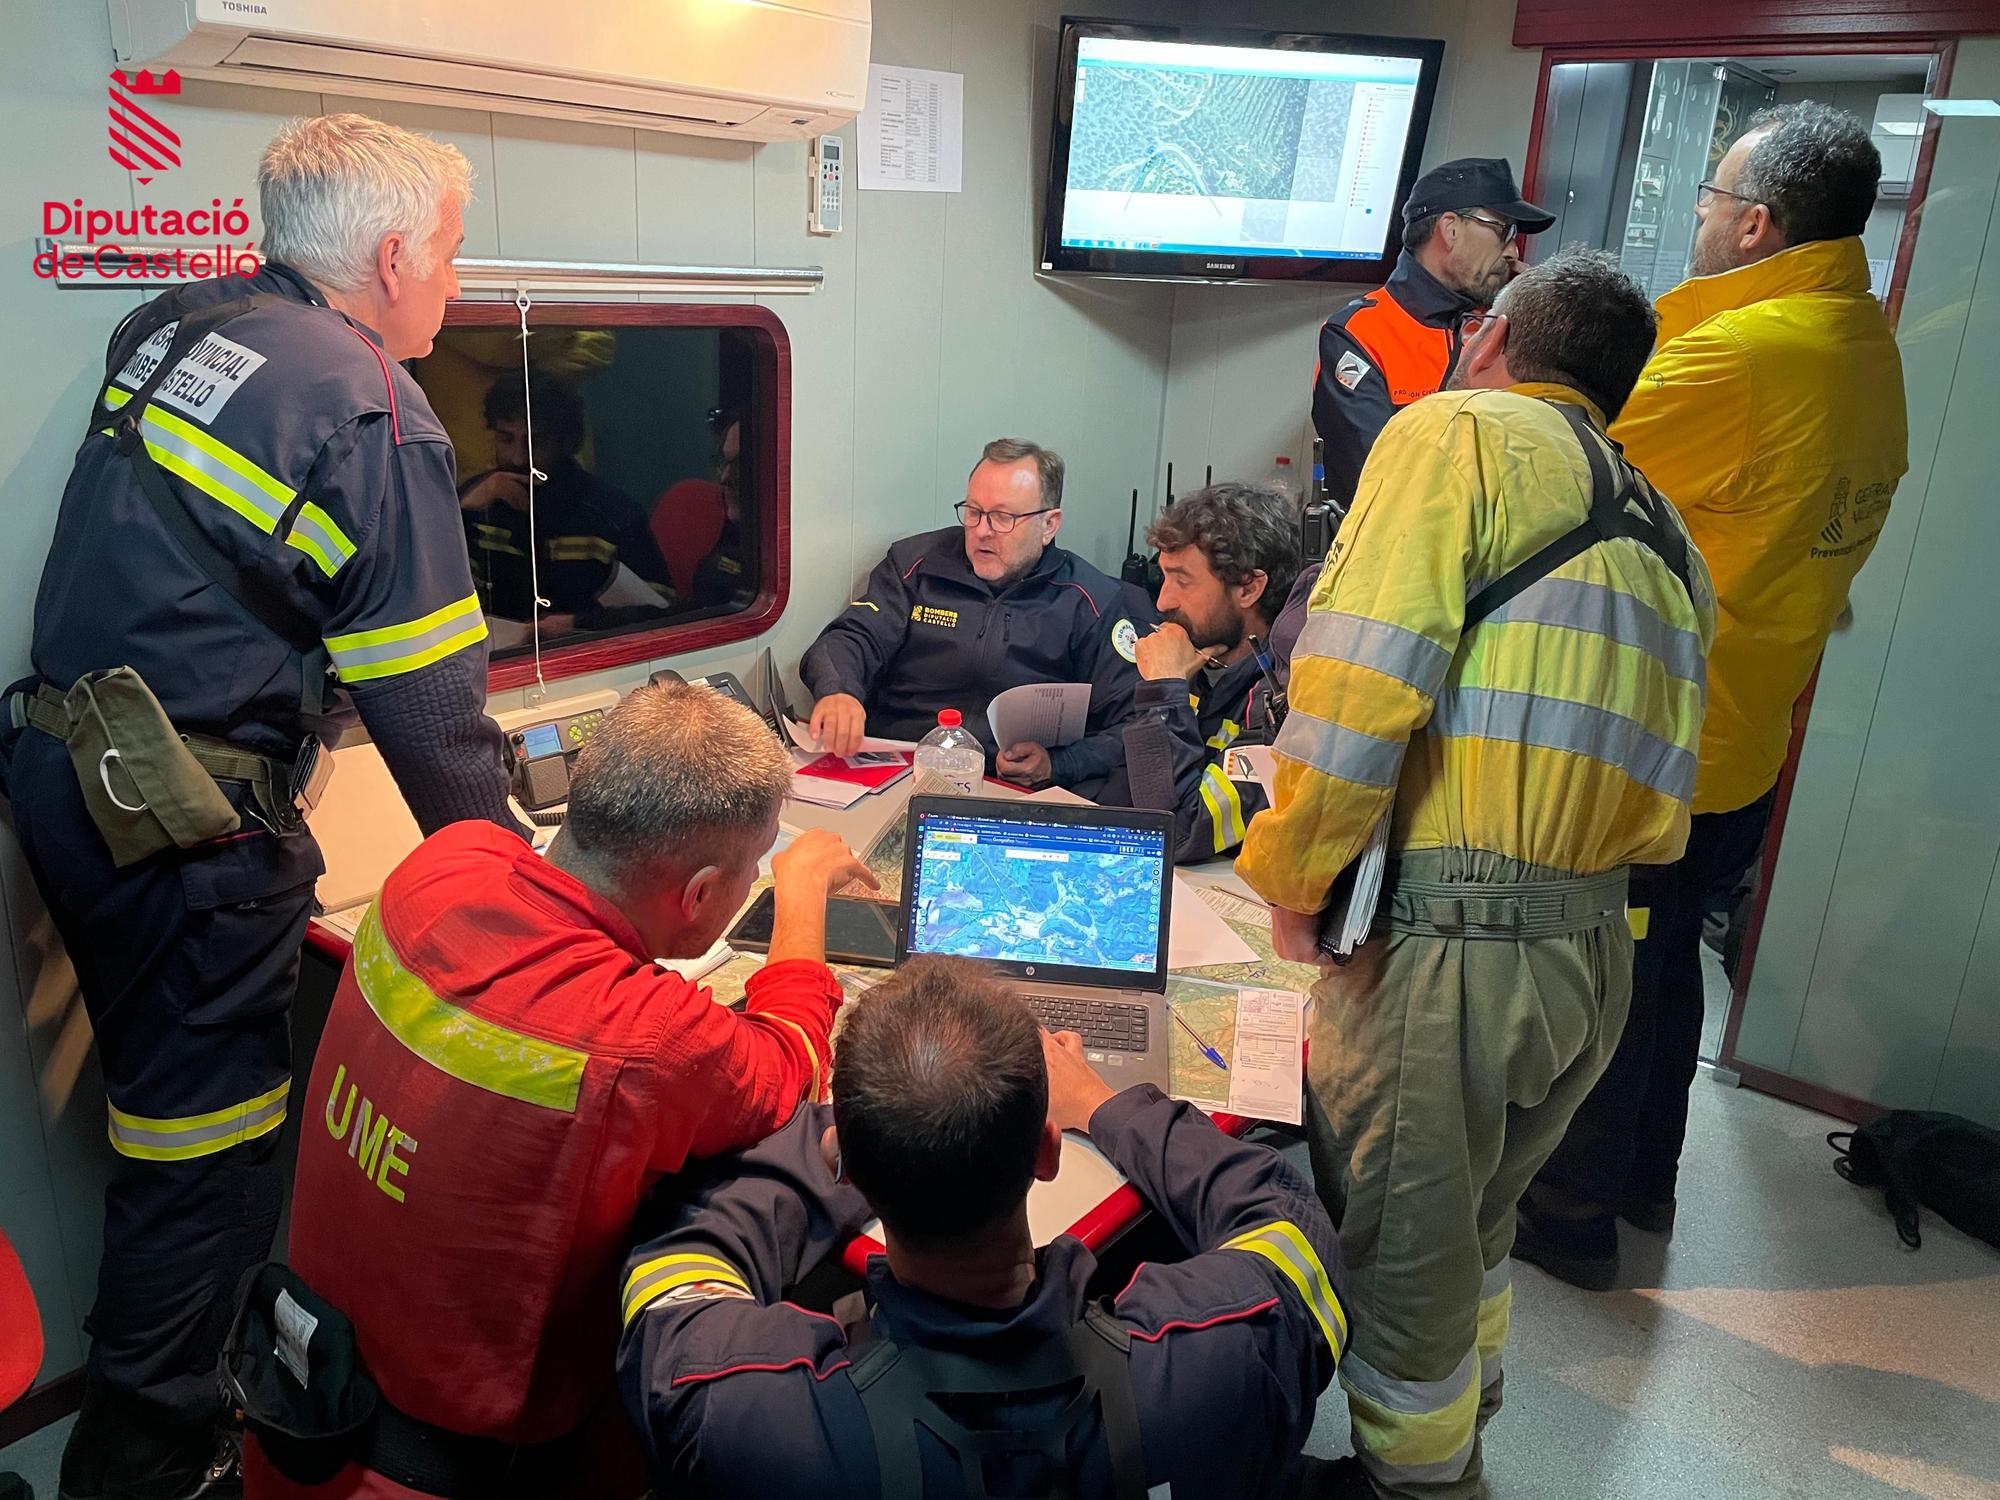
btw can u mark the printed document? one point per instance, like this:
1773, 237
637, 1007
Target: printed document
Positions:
1039, 713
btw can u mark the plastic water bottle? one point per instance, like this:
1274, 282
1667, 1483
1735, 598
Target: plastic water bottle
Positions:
952, 752
1282, 476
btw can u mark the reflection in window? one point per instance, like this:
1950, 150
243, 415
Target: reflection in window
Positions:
644, 434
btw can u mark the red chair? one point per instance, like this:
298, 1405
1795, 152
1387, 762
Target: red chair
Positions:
20, 1329
687, 523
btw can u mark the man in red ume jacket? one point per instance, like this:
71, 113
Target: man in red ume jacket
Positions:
505, 1071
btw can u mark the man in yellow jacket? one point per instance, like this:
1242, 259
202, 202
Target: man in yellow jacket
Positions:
1772, 417
1505, 656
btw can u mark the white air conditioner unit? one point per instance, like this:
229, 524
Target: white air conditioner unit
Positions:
758, 70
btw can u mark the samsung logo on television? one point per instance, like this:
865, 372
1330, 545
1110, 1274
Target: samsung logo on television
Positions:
1222, 265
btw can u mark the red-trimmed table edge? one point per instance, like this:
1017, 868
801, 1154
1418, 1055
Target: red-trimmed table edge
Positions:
1116, 1213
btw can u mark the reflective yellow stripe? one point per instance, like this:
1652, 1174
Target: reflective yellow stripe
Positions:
184, 1137
232, 480
319, 536
1285, 1246
228, 457
653, 1279
582, 549
1640, 920
1225, 808
812, 1053
1496, 1315
395, 649
454, 1040
1410, 1430
1224, 737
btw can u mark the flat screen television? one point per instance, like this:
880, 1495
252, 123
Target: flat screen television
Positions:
1226, 154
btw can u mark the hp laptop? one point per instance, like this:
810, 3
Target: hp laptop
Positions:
1069, 903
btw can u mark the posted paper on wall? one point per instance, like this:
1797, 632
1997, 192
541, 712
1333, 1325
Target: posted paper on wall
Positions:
912, 134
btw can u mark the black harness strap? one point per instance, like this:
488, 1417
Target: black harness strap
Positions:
251, 590
1610, 516
900, 1390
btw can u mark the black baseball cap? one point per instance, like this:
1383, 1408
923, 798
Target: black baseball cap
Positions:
1474, 182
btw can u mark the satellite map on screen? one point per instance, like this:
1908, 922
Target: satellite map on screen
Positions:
1083, 897
1208, 134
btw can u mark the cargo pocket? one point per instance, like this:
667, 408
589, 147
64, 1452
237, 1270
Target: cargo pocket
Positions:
249, 899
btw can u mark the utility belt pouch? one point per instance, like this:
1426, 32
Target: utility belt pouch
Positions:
292, 1366
141, 783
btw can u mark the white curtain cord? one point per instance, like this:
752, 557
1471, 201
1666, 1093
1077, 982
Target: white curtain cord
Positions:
535, 476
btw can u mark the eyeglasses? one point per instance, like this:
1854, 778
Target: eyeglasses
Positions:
1471, 323
1707, 192
1505, 228
1002, 521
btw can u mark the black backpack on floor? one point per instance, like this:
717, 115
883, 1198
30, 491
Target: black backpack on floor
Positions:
1945, 1162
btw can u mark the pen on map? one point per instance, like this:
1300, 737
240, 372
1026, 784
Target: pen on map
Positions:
1206, 1051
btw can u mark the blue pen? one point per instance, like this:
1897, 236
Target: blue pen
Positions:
1206, 1051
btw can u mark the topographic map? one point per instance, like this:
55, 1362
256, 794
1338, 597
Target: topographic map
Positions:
1208, 135
1093, 910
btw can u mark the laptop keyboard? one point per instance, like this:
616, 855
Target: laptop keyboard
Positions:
1107, 1025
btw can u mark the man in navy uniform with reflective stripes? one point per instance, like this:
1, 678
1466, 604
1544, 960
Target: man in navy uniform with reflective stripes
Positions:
262, 493
981, 1366
1228, 555
953, 618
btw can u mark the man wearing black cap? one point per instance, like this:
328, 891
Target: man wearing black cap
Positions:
1461, 230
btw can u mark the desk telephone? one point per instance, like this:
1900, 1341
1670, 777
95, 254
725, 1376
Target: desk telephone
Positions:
541, 754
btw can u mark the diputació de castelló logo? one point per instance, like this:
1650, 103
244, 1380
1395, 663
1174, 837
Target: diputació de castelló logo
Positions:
129, 244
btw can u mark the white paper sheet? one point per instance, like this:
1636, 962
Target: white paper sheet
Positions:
1365, 893
823, 793
1234, 908
1197, 937
1265, 1072
802, 737
912, 132
1039, 713
1258, 763
693, 969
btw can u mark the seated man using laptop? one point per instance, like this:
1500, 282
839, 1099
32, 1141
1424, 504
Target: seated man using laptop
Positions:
980, 1367
504, 1073
953, 618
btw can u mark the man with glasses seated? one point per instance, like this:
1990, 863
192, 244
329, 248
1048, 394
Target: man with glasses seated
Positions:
952, 618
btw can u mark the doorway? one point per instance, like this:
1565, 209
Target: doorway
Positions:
1624, 143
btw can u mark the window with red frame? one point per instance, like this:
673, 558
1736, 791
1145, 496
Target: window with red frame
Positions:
659, 520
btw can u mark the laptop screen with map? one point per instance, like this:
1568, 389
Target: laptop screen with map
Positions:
1062, 894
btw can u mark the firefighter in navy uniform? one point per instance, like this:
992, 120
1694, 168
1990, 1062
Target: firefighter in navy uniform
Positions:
597, 557
980, 1366
1227, 557
262, 493
953, 618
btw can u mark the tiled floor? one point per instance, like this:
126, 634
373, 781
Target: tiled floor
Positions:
1783, 1343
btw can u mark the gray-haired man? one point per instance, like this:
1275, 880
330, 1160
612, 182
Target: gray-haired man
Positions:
261, 492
